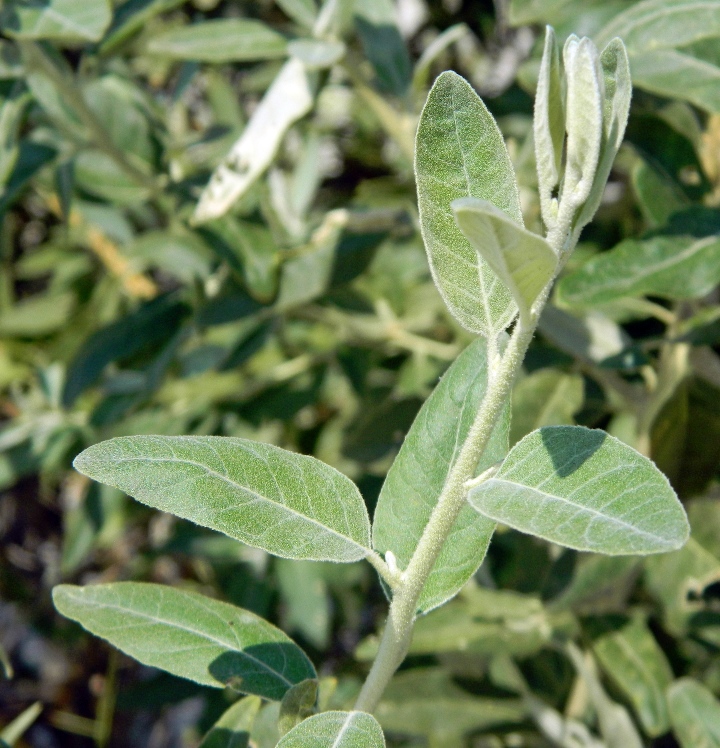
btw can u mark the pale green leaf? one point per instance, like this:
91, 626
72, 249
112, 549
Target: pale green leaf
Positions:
600, 584
584, 120
656, 24
616, 88
673, 267
418, 474
679, 580
336, 730
584, 489
288, 98
220, 40
188, 635
547, 397
317, 54
232, 730
291, 505
523, 261
614, 721
71, 21
695, 714
549, 128
665, 46
484, 622
303, 12
427, 702
459, 152
637, 665
297, 704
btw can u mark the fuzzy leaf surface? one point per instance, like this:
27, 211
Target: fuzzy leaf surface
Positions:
674, 267
220, 40
288, 504
460, 152
188, 635
523, 261
549, 127
418, 474
695, 714
232, 730
637, 665
70, 21
336, 730
584, 489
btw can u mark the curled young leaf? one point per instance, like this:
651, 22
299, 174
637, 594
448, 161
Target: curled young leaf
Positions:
549, 128
584, 121
617, 92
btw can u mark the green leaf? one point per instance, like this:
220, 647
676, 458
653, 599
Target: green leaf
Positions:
69, 21
303, 12
549, 128
221, 40
459, 152
616, 91
600, 584
484, 622
584, 121
418, 474
636, 664
383, 44
232, 730
523, 261
148, 325
547, 397
291, 505
665, 45
583, 489
189, 635
317, 54
336, 730
695, 714
297, 704
130, 17
674, 267
288, 99
306, 604
427, 702
679, 581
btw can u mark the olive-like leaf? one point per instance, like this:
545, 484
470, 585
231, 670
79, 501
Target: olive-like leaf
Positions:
189, 635
336, 730
418, 474
695, 714
291, 505
584, 489
549, 128
459, 152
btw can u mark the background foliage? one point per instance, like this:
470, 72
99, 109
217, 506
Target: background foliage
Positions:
305, 317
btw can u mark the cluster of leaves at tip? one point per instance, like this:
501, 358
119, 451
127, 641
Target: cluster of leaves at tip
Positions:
181, 263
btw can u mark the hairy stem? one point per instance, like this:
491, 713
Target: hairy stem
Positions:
398, 629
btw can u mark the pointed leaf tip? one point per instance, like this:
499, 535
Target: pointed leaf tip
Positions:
584, 489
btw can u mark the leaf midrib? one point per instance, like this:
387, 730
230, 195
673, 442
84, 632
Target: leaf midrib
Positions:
258, 496
187, 629
485, 486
